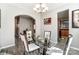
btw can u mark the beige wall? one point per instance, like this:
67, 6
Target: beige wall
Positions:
9, 11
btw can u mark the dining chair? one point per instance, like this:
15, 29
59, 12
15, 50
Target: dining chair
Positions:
58, 51
28, 47
67, 46
47, 36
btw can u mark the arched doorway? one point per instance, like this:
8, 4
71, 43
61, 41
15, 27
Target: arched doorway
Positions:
23, 22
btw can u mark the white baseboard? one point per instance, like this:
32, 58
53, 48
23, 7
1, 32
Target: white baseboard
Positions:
7, 46
75, 48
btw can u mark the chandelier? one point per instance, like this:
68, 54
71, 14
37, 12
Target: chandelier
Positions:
41, 7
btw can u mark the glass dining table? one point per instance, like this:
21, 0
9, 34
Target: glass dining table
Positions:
43, 45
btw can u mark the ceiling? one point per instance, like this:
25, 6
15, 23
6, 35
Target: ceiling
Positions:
51, 6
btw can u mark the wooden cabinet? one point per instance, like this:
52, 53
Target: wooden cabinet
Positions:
64, 32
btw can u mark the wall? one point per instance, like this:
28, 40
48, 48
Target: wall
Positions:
53, 27
8, 13
25, 23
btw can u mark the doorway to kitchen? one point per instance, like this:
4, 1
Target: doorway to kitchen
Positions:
63, 26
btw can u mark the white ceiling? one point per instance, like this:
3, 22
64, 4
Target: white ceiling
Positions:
51, 6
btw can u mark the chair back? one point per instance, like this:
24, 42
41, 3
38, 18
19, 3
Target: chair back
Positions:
68, 43
23, 38
47, 36
29, 35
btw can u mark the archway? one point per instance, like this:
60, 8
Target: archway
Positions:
23, 22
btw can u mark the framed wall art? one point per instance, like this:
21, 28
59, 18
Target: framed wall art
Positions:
75, 18
47, 21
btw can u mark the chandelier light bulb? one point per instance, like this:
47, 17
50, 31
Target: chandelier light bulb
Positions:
34, 9
37, 6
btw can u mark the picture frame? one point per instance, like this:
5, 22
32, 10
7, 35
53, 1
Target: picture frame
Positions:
47, 21
75, 18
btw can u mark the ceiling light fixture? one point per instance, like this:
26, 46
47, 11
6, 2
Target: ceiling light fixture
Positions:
41, 7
